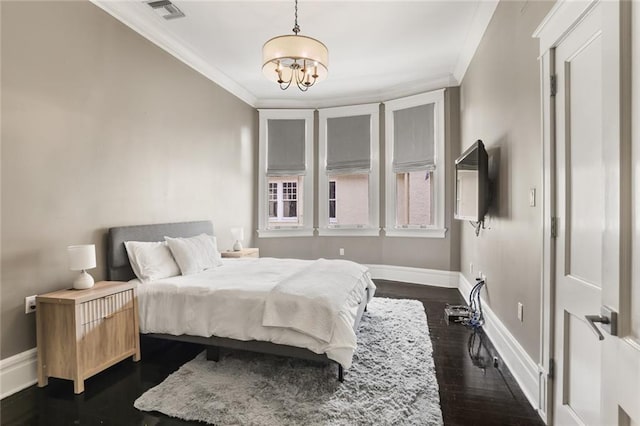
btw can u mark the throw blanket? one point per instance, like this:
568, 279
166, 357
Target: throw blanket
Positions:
309, 301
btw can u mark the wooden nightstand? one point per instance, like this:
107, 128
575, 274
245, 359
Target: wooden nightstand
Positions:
248, 252
82, 332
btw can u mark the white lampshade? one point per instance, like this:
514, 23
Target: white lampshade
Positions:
287, 48
237, 234
82, 257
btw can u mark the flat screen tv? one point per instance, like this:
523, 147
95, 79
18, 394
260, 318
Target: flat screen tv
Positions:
472, 184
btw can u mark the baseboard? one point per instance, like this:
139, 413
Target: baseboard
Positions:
408, 274
18, 372
522, 367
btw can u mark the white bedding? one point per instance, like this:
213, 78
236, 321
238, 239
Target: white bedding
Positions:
310, 300
228, 301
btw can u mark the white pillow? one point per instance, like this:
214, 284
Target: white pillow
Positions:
195, 254
151, 261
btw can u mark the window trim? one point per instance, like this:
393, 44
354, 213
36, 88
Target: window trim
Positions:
265, 229
325, 227
437, 230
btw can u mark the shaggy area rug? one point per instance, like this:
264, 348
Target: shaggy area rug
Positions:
392, 381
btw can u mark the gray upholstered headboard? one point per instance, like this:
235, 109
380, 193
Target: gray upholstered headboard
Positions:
118, 267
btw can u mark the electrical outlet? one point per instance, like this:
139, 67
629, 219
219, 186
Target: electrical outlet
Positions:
520, 312
341, 252
471, 267
30, 304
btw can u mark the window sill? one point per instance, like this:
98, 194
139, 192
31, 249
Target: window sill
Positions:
416, 233
285, 232
349, 232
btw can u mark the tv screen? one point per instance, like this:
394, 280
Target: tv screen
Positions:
472, 184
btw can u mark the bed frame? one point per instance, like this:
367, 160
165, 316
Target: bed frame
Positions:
119, 269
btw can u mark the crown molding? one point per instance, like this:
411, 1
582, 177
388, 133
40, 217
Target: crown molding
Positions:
136, 16
409, 89
481, 20
137, 19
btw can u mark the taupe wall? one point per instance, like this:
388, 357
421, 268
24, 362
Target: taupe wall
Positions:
431, 253
102, 128
500, 104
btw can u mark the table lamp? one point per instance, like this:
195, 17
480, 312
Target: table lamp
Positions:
81, 258
238, 236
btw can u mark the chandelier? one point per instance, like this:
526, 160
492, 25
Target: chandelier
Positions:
295, 58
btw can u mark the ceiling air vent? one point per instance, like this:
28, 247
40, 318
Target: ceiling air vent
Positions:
166, 9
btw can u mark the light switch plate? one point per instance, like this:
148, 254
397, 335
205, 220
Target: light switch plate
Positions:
520, 312
532, 197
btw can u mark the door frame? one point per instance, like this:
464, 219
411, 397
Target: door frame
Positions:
559, 22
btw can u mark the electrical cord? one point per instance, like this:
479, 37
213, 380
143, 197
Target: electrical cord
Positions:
476, 317
477, 226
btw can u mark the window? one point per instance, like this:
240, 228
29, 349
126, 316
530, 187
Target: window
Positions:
283, 200
413, 199
273, 200
415, 166
289, 199
350, 200
286, 173
332, 201
349, 171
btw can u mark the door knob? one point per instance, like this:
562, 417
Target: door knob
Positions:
609, 320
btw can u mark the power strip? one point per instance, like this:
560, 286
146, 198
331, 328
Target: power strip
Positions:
456, 313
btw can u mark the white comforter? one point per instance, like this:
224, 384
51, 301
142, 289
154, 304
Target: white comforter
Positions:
229, 301
310, 300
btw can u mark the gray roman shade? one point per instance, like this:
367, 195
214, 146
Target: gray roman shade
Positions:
349, 144
413, 139
286, 147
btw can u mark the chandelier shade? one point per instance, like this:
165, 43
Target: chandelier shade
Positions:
293, 53
295, 58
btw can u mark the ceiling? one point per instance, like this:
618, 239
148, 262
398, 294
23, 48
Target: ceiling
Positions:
378, 50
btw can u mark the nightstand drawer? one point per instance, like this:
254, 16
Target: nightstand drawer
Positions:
105, 307
106, 341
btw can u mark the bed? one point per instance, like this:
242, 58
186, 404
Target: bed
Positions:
200, 308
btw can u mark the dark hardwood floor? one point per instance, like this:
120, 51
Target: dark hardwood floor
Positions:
472, 390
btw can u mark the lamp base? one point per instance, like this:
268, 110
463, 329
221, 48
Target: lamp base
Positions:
237, 246
83, 282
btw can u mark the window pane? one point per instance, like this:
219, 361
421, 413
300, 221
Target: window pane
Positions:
285, 198
413, 198
332, 201
350, 202
289, 209
273, 199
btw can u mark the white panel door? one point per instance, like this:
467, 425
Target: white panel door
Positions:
597, 380
580, 193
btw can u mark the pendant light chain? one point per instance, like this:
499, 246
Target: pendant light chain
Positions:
296, 28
